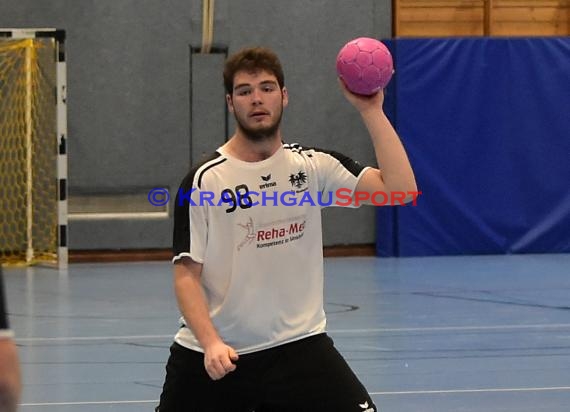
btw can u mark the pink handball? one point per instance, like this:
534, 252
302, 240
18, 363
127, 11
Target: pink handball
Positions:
365, 65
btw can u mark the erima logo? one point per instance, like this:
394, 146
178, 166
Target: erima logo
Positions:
365, 407
268, 184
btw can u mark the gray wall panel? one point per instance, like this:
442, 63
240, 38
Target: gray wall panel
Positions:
128, 82
120, 234
208, 108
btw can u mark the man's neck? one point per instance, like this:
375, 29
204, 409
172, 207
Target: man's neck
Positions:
246, 150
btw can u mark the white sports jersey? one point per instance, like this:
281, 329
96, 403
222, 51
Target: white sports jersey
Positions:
256, 228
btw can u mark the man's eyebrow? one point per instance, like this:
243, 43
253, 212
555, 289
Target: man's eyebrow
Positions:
237, 86
271, 82
263, 83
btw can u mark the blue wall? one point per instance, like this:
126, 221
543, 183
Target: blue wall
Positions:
487, 126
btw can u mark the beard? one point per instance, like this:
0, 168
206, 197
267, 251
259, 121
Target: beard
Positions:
262, 133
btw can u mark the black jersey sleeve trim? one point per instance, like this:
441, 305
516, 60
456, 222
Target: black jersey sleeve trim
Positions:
206, 169
349, 164
181, 232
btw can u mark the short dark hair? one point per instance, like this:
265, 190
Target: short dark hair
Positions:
252, 59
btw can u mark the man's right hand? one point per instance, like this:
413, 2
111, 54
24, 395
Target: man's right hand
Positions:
218, 360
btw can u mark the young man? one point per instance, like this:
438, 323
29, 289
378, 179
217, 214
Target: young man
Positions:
9, 366
248, 264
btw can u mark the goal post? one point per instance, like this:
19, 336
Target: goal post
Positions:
33, 147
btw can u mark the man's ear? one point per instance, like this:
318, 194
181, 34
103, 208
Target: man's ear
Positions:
230, 103
285, 94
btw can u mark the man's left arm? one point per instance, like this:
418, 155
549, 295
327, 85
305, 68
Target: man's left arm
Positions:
395, 174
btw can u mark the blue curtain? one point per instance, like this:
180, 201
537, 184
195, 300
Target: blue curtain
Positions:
486, 122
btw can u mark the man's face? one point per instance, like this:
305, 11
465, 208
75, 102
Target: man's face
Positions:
257, 103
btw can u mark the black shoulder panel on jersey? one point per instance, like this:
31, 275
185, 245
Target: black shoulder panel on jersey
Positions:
181, 233
3, 316
189, 178
351, 165
207, 168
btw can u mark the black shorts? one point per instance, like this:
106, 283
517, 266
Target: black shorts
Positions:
308, 375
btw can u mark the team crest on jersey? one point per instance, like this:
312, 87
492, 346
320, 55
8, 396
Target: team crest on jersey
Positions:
298, 180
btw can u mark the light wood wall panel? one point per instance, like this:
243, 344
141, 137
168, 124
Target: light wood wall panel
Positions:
424, 18
531, 17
